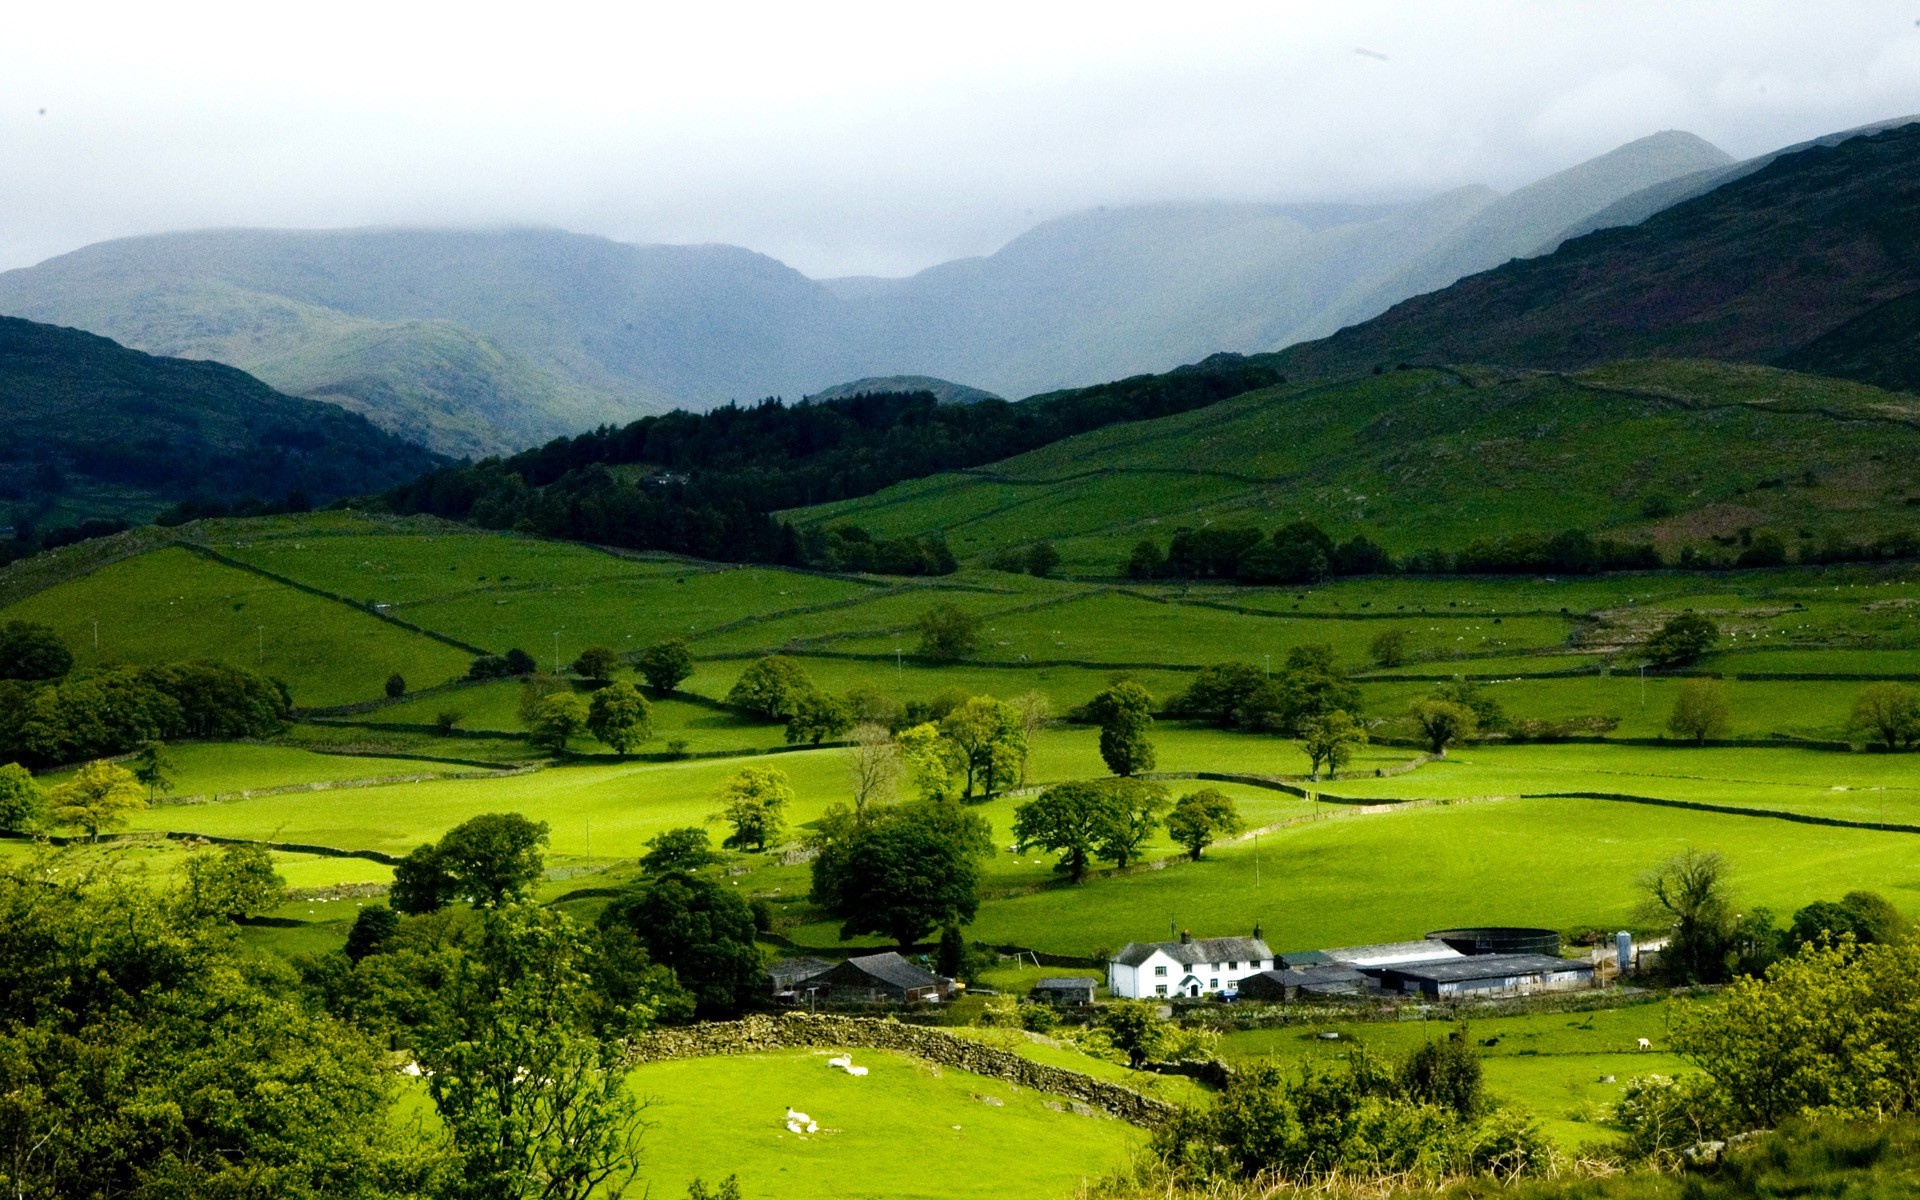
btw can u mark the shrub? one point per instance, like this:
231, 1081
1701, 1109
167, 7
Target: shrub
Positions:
948, 633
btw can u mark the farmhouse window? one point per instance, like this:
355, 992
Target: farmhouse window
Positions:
1233, 966
1213, 985
1160, 990
1160, 972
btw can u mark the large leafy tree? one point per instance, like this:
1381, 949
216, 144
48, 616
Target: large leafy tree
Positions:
32, 651
1890, 713
1068, 819
905, 871
1124, 713
99, 796
817, 717
771, 688
991, 741
1689, 895
557, 720
236, 881
1201, 818
620, 716
597, 664
1701, 710
754, 801
948, 633
489, 860
1331, 738
23, 802
665, 665
1133, 812
1682, 639
1442, 722
701, 930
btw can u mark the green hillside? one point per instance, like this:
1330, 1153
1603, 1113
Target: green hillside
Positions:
94, 429
1679, 453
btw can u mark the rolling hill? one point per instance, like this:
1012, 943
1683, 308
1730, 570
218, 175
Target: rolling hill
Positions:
1678, 453
100, 431
1813, 261
487, 341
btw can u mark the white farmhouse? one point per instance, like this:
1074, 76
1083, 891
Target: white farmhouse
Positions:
1191, 967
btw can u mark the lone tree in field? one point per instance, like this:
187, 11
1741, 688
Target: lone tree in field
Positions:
905, 872
1389, 648
1331, 739
1135, 1028
1890, 713
99, 796
23, 804
1068, 819
665, 665
1683, 639
396, 686
597, 665
620, 717
873, 767
557, 720
235, 882
1442, 722
1124, 713
1133, 813
1700, 711
489, 860
154, 768
1201, 818
771, 688
1036, 713
753, 801
685, 849
1688, 893
817, 717
948, 633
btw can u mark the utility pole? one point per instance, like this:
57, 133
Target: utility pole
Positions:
1256, 859
96, 636
260, 636
589, 841
556, 652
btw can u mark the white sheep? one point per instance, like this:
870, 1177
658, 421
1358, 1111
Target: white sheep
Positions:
1645, 1044
856, 1072
842, 1061
799, 1122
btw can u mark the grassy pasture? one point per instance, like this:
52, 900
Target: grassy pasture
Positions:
208, 768
909, 1129
169, 604
495, 707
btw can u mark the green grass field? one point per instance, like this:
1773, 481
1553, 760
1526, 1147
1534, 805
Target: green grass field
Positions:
908, 1129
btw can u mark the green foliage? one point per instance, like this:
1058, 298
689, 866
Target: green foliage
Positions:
754, 800
32, 651
1240, 695
154, 768
678, 850
1866, 917
100, 796
234, 882
817, 717
665, 665
1072, 820
1446, 1073
23, 803
620, 716
729, 1189
1889, 712
932, 760
1388, 648
1133, 812
1331, 738
115, 711
396, 686
420, 883
1688, 893
1135, 1028
905, 871
1682, 640
1201, 818
559, 719
1443, 722
597, 664
1664, 1115
948, 633
536, 688
373, 927
144, 1054
699, 929
771, 689
489, 860
447, 720
991, 742
1124, 713
533, 1101
1701, 710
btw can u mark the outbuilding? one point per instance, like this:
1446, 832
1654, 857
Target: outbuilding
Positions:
1480, 974
1065, 990
791, 976
1304, 982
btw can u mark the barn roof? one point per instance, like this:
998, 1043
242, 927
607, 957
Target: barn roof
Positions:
1490, 966
891, 969
1065, 983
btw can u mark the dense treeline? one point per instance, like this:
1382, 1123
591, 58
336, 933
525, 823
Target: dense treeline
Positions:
704, 484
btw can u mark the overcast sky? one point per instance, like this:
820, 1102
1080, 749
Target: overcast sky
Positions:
870, 138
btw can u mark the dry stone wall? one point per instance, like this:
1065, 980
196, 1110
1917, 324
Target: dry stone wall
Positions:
824, 1031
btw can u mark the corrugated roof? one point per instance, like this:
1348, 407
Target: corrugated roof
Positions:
1062, 983
1392, 954
1490, 966
1197, 951
892, 969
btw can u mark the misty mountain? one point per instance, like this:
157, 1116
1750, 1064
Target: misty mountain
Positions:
1810, 262
943, 390
481, 342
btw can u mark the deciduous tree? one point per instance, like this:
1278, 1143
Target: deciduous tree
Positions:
987, 734
1700, 710
817, 717
905, 871
701, 930
873, 767
1442, 723
620, 717
154, 768
1068, 819
99, 796
23, 803
753, 801
234, 882
1134, 807
1201, 818
1331, 739
684, 849
559, 719
32, 651
1684, 638
771, 688
948, 633
1124, 713
1889, 712
597, 664
665, 665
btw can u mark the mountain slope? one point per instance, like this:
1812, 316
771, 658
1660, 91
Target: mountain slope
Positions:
1682, 454
1760, 269
480, 341
97, 430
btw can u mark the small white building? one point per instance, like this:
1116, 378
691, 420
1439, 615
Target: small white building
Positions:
1191, 967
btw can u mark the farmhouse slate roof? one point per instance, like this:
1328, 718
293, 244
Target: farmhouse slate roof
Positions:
1309, 976
788, 971
1197, 951
1064, 983
1476, 967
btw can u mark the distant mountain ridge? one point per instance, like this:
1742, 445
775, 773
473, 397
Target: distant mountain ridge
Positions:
482, 342
1811, 262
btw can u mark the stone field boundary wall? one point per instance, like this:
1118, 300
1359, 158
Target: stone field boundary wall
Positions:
762, 1033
